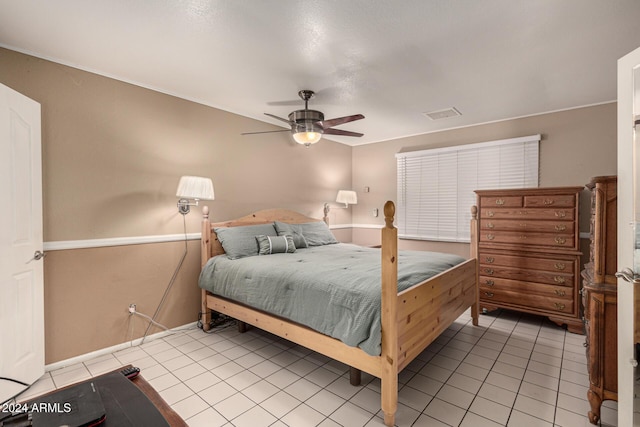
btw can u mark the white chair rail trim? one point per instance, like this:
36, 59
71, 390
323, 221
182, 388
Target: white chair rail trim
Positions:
134, 240
141, 240
116, 241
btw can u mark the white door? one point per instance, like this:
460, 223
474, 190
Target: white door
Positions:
628, 229
21, 276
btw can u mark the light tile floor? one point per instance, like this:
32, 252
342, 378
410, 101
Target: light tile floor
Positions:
513, 370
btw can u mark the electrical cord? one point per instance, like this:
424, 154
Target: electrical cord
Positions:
219, 323
132, 327
13, 380
153, 322
28, 386
169, 286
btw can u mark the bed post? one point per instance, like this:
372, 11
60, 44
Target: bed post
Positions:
205, 254
475, 308
389, 355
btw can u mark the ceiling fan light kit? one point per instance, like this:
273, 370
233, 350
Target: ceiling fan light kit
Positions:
308, 126
307, 138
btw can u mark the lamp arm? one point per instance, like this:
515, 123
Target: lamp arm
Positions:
184, 205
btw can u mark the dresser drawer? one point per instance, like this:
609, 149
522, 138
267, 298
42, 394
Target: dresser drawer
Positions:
534, 214
525, 289
563, 201
528, 239
529, 301
501, 201
524, 224
529, 275
557, 264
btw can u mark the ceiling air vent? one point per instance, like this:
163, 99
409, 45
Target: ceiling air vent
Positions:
443, 114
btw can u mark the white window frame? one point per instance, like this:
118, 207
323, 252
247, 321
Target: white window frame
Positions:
436, 187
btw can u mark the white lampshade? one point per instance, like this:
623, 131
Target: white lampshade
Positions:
307, 138
195, 187
348, 197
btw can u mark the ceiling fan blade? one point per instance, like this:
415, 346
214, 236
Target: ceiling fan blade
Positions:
279, 118
266, 131
326, 124
341, 132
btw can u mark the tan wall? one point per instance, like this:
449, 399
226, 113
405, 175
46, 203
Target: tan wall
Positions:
88, 291
576, 145
112, 157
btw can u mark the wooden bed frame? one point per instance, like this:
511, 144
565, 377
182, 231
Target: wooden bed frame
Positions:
411, 319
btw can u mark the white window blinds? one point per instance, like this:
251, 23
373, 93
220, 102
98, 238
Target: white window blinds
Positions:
436, 187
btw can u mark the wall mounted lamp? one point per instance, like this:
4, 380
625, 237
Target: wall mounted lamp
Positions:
348, 197
191, 189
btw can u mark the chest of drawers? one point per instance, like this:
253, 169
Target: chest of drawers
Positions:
528, 252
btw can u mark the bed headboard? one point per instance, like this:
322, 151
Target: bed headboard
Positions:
212, 247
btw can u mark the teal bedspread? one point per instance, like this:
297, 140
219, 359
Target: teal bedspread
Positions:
334, 289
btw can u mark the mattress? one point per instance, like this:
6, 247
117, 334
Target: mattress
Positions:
333, 289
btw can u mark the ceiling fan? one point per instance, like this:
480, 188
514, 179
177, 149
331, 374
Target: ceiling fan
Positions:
308, 126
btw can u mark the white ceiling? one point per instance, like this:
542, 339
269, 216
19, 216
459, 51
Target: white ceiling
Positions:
389, 60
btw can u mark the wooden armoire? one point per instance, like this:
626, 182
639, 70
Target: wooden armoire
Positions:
599, 295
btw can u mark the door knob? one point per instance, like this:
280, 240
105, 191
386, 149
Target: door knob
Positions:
628, 275
37, 255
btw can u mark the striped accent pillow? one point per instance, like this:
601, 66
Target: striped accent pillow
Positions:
275, 244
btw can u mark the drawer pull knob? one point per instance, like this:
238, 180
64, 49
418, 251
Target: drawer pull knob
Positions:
560, 227
490, 225
561, 214
560, 240
489, 294
560, 293
489, 282
559, 306
559, 279
490, 214
490, 237
548, 202
560, 266
499, 202
489, 271
490, 260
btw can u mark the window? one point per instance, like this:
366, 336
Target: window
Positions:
436, 187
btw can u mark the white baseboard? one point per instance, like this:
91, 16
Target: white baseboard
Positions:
113, 349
